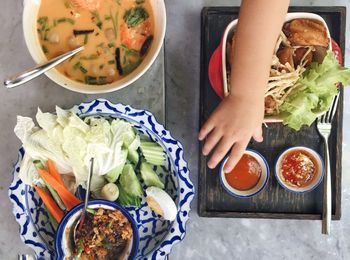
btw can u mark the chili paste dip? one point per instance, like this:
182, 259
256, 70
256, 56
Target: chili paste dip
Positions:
298, 168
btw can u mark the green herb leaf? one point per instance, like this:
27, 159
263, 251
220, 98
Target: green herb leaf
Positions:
128, 51
99, 22
45, 50
77, 65
115, 23
90, 57
65, 20
135, 16
86, 39
91, 211
83, 70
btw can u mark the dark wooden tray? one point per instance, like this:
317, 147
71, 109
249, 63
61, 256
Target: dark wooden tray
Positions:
274, 202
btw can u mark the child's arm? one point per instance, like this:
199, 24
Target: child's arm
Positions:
240, 115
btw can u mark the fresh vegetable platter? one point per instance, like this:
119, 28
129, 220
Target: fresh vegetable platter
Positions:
157, 235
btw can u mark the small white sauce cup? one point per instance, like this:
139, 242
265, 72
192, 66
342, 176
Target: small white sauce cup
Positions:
314, 183
265, 173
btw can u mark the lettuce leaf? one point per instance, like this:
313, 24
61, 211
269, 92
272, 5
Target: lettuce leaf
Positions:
70, 142
314, 92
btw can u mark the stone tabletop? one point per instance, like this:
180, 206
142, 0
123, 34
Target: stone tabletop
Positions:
206, 238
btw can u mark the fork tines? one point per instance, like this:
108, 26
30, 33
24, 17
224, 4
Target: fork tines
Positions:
329, 115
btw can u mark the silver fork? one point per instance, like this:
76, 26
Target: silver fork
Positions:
324, 126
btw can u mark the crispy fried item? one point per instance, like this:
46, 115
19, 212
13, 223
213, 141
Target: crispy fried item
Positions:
299, 55
286, 55
270, 104
306, 32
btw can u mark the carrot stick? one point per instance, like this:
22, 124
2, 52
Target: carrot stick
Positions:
66, 196
50, 204
53, 171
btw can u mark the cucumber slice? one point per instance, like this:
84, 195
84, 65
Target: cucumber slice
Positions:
128, 180
113, 175
153, 153
133, 156
55, 196
39, 165
135, 143
52, 220
151, 146
150, 177
128, 137
126, 200
157, 163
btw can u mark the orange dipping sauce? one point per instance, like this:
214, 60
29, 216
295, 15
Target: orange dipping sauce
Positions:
246, 174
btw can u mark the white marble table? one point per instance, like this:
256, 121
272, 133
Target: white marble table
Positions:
206, 238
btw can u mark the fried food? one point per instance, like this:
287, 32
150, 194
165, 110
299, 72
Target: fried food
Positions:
306, 32
299, 54
285, 55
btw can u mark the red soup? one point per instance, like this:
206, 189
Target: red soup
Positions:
246, 174
298, 168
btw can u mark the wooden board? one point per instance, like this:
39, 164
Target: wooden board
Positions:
274, 201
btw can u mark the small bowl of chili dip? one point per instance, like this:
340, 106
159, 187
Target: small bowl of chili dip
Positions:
299, 169
109, 232
248, 178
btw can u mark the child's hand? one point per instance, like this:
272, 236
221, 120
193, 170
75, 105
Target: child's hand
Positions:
231, 126
239, 116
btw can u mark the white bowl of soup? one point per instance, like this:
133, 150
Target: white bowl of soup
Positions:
122, 39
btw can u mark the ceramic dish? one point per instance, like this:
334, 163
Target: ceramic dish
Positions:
218, 69
157, 236
62, 242
30, 11
265, 174
315, 182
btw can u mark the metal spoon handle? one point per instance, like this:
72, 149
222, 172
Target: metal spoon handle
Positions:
30, 74
87, 195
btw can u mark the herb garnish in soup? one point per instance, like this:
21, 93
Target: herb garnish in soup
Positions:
106, 234
116, 36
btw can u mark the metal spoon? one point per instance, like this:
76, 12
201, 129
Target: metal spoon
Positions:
79, 225
30, 74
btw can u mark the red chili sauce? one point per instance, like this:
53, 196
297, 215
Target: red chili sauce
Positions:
298, 168
246, 174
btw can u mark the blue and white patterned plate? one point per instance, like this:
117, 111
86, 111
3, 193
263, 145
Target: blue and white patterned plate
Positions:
157, 236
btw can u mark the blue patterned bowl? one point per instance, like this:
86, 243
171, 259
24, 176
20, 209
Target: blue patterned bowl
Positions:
62, 240
157, 236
